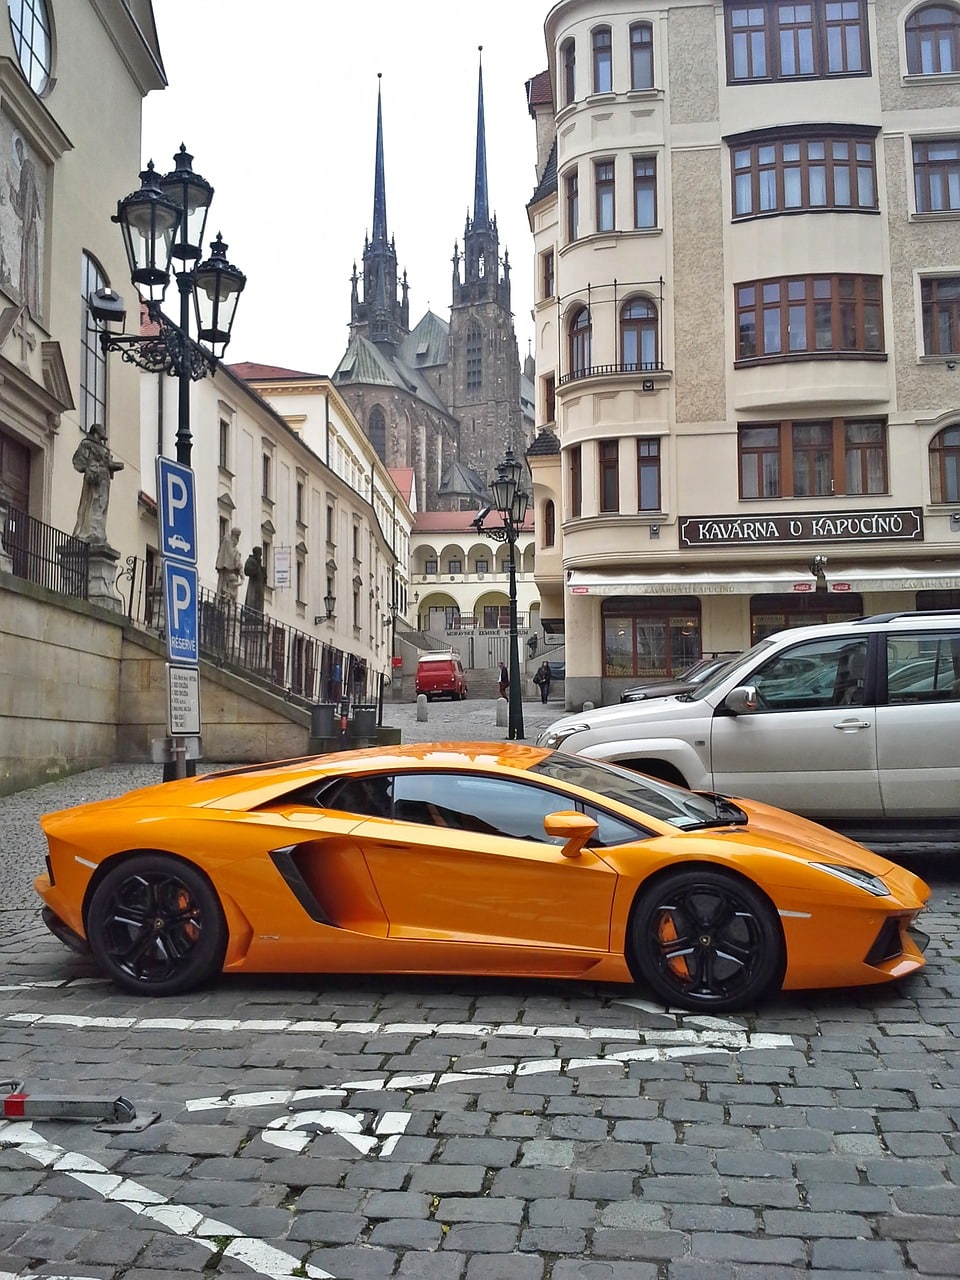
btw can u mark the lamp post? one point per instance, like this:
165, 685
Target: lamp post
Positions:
510, 502
164, 222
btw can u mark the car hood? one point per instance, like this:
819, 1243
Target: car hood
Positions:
649, 710
801, 838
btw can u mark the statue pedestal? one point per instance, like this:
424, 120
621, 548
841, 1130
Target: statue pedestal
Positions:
102, 578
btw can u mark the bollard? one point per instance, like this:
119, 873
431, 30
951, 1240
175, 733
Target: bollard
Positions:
503, 713
421, 708
588, 706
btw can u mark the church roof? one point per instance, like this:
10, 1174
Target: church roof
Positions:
428, 344
460, 481
250, 371
365, 364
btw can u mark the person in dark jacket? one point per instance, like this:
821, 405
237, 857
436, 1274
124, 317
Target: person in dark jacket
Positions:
504, 680
541, 679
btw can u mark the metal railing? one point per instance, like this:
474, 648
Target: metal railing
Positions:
608, 370
41, 554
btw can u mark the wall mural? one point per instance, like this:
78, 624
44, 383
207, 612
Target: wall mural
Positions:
23, 200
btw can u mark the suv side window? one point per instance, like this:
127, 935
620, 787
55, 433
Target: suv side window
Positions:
923, 667
820, 673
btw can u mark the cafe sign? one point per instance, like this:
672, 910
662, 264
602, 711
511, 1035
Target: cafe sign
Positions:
902, 524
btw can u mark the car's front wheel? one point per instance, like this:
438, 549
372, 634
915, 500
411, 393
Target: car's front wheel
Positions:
155, 925
705, 940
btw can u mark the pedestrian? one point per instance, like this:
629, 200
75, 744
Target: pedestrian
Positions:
541, 678
504, 680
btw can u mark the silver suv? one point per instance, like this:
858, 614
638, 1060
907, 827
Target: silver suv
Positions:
849, 722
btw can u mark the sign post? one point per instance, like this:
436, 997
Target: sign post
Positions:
177, 515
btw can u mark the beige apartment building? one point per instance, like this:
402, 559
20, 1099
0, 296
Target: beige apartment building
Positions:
748, 323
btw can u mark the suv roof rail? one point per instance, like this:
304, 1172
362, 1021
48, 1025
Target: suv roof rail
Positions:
910, 613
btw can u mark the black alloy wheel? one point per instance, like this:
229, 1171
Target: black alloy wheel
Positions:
155, 925
707, 941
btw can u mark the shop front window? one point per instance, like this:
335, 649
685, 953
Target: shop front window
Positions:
646, 640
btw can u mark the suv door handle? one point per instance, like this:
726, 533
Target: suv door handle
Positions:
849, 726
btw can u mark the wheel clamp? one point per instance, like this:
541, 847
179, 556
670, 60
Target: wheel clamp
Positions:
115, 1115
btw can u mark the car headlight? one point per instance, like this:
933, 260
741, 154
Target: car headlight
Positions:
552, 738
853, 875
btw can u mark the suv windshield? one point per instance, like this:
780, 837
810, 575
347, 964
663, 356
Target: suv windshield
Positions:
707, 686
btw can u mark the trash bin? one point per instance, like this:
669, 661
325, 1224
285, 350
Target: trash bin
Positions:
322, 720
364, 720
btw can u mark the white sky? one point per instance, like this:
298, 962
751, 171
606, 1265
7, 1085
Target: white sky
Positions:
277, 104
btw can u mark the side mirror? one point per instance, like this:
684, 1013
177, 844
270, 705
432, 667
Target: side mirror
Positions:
742, 700
572, 827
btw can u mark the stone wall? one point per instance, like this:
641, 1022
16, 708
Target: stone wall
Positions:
80, 687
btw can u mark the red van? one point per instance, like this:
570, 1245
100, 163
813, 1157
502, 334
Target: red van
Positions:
441, 675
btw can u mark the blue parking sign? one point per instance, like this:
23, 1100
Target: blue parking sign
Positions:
176, 510
180, 611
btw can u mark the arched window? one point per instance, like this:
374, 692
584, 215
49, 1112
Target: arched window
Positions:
568, 57
474, 356
641, 56
602, 60
93, 359
377, 432
581, 333
32, 40
945, 465
549, 523
933, 40
638, 335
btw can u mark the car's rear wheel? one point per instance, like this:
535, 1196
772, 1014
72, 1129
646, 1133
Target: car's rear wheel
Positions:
705, 940
155, 925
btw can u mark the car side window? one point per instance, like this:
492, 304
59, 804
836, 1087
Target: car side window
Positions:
485, 806
611, 829
370, 795
820, 673
923, 668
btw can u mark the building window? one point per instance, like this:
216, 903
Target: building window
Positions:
940, 302
474, 353
223, 456
455, 566
547, 276
644, 192
608, 466
602, 61
641, 56
774, 41
568, 57
788, 174
430, 567
661, 638
301, 503
301, 580
550, 397
356, 542
331, 524
32, 40
581, 332
93, 359
813, 459
549, 523
266, 477
377, 431
572, 188
482, 566
638, 335
936, 175
933, 40
576, 481
606, 194
648, 474
809, 314
945, 465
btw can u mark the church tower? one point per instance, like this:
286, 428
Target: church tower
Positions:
380, 316
484, 361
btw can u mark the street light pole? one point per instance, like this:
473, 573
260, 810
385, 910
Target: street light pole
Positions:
511, 504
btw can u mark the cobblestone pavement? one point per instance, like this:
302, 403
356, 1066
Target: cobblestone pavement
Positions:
428, 1129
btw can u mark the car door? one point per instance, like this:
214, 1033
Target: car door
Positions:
918, 726
467, 858
811, 745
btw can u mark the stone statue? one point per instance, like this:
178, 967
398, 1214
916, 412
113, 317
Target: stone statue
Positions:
256, 580
96, 464
229, 565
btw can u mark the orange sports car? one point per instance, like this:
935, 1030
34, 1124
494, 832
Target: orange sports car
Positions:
472, 858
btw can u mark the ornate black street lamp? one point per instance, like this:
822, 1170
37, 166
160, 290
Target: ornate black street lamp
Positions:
511, 503
161, 223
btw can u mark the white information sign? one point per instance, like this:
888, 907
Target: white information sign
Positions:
183, 701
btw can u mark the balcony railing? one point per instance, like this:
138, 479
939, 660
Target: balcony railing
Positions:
610, 370
44, 555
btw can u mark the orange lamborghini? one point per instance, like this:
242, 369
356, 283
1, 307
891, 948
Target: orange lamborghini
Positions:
472, 858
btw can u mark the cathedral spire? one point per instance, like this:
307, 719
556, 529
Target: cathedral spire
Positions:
379, 181
481, 203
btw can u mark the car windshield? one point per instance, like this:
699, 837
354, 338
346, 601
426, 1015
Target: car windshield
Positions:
706, 688
648, 796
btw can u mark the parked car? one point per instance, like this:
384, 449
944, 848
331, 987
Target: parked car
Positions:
694, 675
850, 722
472, 858
441, 675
